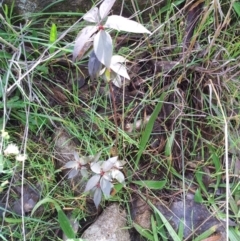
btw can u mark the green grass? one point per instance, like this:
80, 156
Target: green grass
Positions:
40, 94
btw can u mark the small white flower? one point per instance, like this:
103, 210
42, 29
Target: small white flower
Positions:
12, 149
5, 135
21, 157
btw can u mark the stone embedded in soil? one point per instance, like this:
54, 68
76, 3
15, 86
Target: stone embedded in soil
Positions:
141, 212
30, 198
109, 226
198, 218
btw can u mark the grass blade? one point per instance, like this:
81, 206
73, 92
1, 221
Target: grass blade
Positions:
144, 232
154, 229
148, 130
65, 224
206, 234
157, 185
236, 7
62, 218
166, 223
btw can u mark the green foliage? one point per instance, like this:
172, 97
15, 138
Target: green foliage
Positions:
154, 228
102, 42
206, 234
168, 226
148, 129
65, 224
52, 37
236, 6
198, 196
144, 232
199, 177
62, 218
157, 185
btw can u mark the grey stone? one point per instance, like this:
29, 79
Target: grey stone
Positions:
110, 226
197, 217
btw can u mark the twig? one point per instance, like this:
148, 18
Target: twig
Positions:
114, 111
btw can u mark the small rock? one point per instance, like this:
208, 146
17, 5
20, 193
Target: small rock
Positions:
109, 226
197, 217
141, 212
30, 198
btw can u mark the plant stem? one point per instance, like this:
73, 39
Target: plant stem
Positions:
114, 112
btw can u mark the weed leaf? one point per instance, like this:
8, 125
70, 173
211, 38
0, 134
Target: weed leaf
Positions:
116, 174
148, 130
97, 197
72, 173
65, 224
70, 164
236, 7
167, 225
81, 40
198, 196
206, 235
169, 144
94, 66
103, 47
118, 59
96, 167
120, 69
117, 81
154, 228
62, 218
106, 186
123, 24
92, 182
105, 8
92, 15
158, 185
199, 178
53, 36
53, 33
43, 201
96, 157
144, 232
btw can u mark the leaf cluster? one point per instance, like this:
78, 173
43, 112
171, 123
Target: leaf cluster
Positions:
104, 174
102, 53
